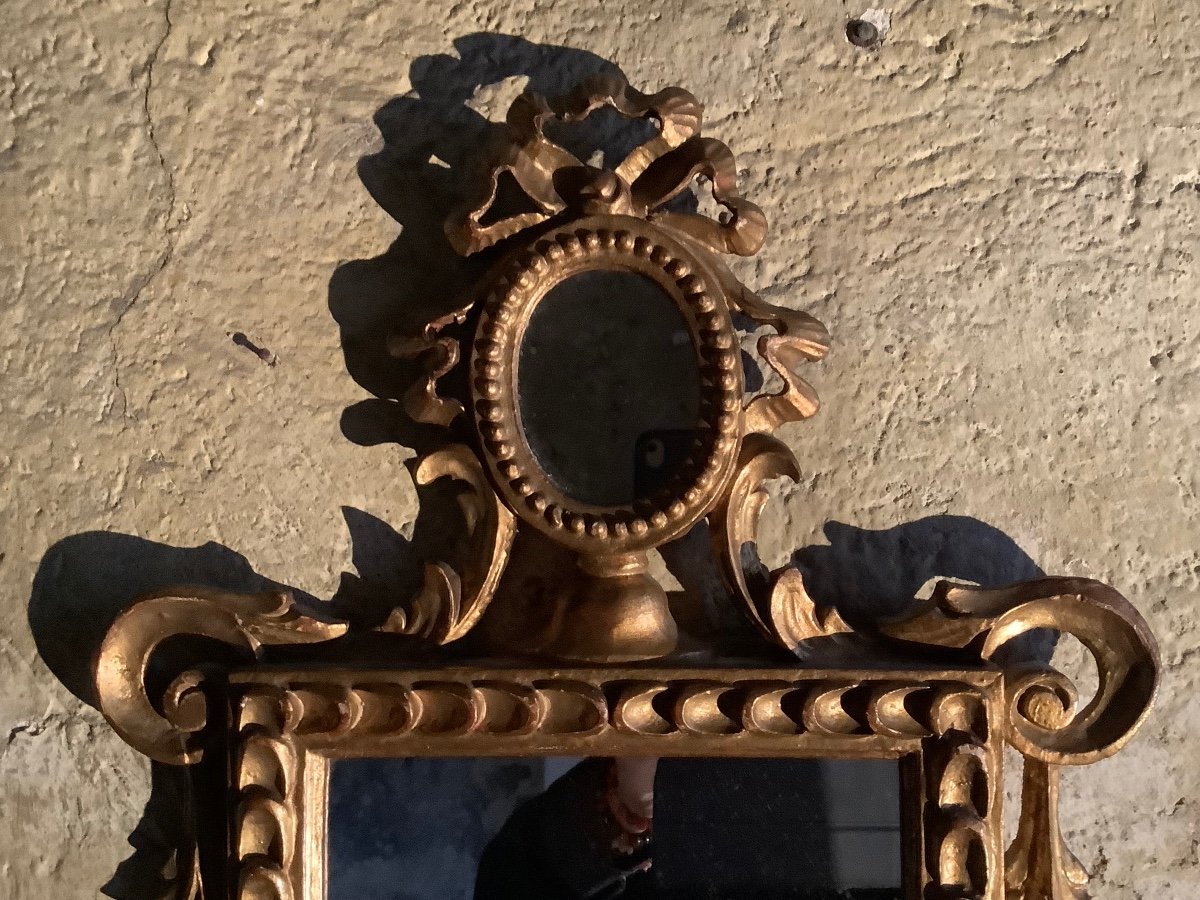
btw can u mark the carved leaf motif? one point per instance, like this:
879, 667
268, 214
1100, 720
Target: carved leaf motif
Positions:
1042, 720
777, 602
449, 604
1043, 723
1038, 864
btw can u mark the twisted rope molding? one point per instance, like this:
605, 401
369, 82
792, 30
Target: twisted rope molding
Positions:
963, 843
266, 775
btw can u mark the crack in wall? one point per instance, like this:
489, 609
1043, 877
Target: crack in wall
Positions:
33, 728
131, 296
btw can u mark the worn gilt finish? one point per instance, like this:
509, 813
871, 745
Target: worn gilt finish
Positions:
278, 727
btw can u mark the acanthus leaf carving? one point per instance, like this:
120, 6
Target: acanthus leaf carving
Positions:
1038, 865
449, 603
1043, 722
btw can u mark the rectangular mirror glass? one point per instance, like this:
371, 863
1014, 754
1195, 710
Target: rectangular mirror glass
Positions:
560, 829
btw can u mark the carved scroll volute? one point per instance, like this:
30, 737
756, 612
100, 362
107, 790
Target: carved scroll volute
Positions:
243, 621
449, 604
1042, 720
1044, 725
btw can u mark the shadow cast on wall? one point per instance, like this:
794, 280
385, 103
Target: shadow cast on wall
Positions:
869, 574
431, 136
85, 581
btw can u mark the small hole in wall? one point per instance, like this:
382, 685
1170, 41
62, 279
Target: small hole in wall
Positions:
862, 33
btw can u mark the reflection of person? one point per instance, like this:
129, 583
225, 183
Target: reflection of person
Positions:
587, 837
723, 829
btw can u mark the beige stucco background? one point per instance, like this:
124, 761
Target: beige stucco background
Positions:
995, 214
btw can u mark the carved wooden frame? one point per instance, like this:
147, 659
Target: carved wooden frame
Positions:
289, 724
606, 243
257, 736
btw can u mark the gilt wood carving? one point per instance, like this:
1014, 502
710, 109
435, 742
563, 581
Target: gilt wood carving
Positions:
281, 724
288, 725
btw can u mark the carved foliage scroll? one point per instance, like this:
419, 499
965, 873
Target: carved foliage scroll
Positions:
1041, 717
245, 622
1043, 722
449, 605
776, 601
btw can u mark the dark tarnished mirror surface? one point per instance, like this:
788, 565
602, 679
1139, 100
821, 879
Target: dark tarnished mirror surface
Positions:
734, 829
608, 386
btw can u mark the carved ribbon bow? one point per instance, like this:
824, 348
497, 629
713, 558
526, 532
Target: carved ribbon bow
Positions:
640, 185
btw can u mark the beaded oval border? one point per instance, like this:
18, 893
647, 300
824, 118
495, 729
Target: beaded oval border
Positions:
612, 243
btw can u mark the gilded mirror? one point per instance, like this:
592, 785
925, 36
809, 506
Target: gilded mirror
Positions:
591, 401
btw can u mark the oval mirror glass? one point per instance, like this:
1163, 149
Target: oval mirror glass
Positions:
608, 386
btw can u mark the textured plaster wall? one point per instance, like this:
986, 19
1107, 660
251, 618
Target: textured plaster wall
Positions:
996, 215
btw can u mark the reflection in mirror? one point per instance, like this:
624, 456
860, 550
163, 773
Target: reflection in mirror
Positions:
608, 383
561, 829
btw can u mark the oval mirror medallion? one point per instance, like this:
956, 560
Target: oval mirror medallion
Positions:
608, 385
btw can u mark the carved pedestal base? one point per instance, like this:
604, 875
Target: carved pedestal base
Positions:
619, 613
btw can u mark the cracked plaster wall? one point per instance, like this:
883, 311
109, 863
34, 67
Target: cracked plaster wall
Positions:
995, 214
